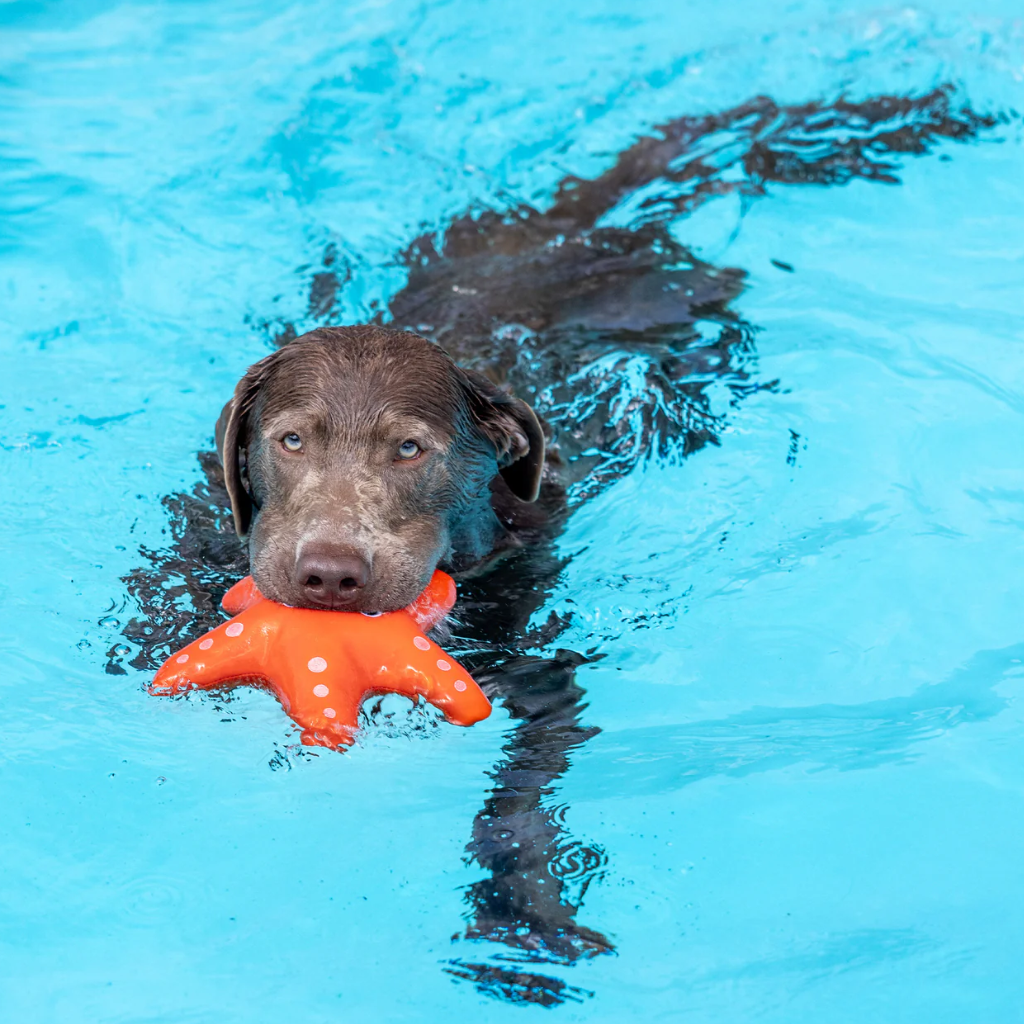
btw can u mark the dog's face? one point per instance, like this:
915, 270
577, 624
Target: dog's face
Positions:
357, 458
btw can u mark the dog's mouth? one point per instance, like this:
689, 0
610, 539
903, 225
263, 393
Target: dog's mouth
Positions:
370, 607
365, 605
336, 603
372, 597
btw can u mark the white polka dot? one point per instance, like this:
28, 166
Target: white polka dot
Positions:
460, 685
181, 659
329, 712
320, 690
234, 629
373, 615
421, 642
316, 665
443, 665
205, 645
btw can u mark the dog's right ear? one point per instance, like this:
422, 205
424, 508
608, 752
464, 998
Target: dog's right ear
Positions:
232, 438
512, 427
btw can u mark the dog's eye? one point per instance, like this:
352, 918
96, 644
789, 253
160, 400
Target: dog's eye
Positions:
292, 443
408, 450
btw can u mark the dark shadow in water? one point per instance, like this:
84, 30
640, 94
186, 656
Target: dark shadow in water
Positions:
614, 330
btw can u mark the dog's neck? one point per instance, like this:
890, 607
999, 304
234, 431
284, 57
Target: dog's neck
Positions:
486, 530
475, 533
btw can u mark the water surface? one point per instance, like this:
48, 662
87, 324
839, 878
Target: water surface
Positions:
797, 790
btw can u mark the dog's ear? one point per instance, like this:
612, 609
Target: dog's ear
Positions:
232, 438
514, 430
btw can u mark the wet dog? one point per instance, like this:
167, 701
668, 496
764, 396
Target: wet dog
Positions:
592, 313
359, 459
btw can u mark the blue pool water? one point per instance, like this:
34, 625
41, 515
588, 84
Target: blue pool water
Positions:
802, 795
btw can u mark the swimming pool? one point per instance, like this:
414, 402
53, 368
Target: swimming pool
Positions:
792, 785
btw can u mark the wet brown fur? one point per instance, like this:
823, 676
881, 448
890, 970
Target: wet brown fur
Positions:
558, 303
354, 394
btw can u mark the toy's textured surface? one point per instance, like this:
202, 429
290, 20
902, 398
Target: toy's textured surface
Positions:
322, 664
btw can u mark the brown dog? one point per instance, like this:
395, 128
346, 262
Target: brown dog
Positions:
358, 459
355, 458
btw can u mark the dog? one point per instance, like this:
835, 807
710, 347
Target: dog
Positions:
359, 459
532, 357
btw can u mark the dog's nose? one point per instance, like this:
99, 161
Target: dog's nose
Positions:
331, 577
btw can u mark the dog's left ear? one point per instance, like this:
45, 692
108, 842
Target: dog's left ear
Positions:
514, 430
231, 437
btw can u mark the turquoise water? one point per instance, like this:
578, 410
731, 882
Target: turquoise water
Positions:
805, 798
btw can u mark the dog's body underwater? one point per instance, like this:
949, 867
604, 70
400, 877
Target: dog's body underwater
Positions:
592, 314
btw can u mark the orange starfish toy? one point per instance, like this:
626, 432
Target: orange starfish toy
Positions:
321, 664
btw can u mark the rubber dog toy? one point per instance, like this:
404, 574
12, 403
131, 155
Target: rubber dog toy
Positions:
321, 664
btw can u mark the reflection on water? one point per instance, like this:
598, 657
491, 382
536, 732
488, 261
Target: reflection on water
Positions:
842, 737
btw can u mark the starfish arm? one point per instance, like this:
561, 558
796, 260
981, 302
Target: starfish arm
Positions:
461, 707
427, 671
435, 602
337, 732
244, 594
234, 653
325, 699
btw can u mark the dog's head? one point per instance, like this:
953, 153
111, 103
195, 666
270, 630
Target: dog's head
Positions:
356, 458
